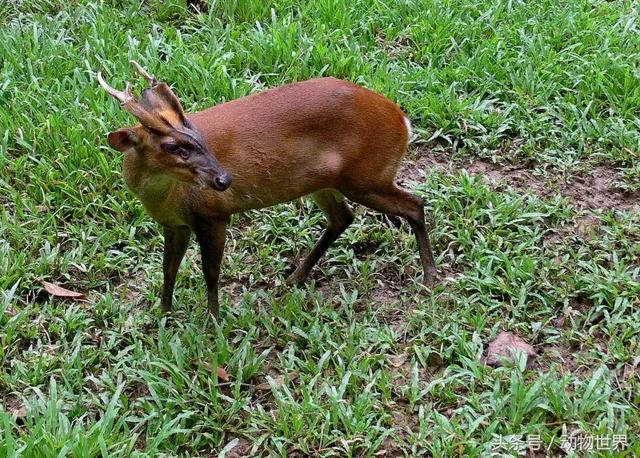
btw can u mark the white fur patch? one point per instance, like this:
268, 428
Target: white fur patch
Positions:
409, 129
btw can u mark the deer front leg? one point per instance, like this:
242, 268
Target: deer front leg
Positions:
176, 241
211, 237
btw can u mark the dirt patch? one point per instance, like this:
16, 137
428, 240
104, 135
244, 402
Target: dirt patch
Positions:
240, 450
564, 357
278, 379
8, 206
386, 298
419, 163
631, 370
401, 366
404, 423
598, 189
397, 48
15, 407
517, 177
132, 288
595, 189
137, 390
390, 448
585, 226
588, 226
141, 442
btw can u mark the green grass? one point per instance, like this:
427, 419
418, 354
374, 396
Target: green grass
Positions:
360, 359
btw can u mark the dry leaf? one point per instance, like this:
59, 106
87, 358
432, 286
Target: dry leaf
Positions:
59, 291
504, 346
277, 381
397, 360
222, 374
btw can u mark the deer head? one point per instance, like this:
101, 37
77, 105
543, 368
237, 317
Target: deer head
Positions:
165, 139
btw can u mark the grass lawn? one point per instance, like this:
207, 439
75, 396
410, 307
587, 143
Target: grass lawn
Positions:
527, 116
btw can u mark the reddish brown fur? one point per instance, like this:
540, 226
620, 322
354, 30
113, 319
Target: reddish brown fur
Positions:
277, 145
297, 139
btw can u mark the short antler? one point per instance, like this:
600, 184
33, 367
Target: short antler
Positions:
152, 108
145, 74
122, 96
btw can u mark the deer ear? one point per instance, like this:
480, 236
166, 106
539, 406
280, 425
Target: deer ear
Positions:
123, 139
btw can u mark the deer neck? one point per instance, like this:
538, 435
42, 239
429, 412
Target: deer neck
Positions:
157, 191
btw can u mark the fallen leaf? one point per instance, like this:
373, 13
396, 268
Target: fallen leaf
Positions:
397, 360
277, 381
59, 291
503, 347
222, 374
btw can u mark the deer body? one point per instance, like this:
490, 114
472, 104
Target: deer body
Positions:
324, 137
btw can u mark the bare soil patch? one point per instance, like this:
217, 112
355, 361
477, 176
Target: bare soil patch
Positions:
598, 189
595, 189
241, 450
132, 288
563, 356
14, 406
137, 390
397, 48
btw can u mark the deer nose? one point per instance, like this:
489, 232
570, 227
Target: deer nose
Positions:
222, 181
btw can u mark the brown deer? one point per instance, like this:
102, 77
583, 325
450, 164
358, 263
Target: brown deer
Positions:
324, 137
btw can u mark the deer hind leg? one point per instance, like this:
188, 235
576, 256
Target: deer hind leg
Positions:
339, 217
393, 200
211, 237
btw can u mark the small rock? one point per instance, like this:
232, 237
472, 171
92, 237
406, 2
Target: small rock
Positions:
504, 346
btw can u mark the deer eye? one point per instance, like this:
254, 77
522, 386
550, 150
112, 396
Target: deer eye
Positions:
173, 148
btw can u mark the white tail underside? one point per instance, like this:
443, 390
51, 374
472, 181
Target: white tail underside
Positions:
409, 129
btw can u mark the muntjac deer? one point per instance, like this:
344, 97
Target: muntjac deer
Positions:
324, 137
